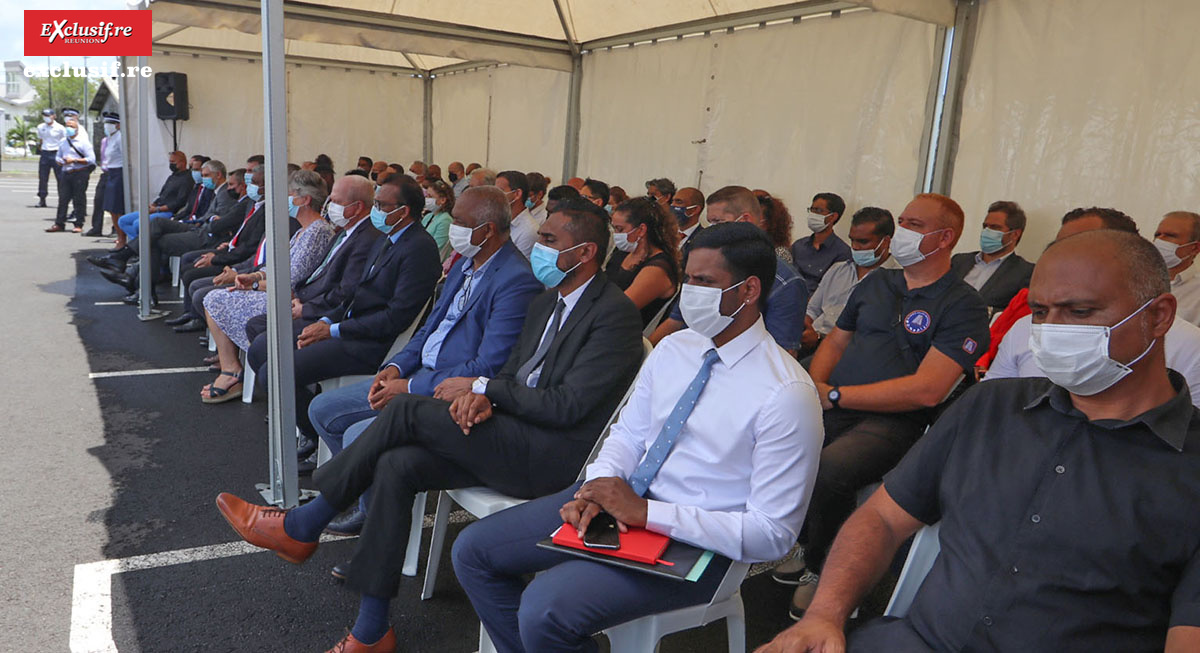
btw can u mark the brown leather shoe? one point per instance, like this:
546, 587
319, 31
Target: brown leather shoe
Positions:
386, 644
263, 526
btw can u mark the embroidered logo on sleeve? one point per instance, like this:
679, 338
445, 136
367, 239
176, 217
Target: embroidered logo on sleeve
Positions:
969, 345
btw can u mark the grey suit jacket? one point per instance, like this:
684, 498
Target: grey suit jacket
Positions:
1012, 275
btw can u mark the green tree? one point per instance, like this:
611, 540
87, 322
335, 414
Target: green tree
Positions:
21, 134
68, 92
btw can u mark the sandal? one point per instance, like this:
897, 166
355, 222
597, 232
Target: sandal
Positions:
221, 395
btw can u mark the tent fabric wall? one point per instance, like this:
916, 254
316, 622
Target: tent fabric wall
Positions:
1054, 120
830, 104
510, 117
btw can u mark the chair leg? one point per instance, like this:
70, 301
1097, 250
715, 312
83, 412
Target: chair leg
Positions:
247, 381
413, 551
637, 636
174, 263
212, 344
485, 641
735, 624
440, 519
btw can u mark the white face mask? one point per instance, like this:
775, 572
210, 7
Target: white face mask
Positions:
460, 240
906, 246
1170, 251
816, 221
1075, 356
109, 128
431, 204
336, 213
621, 242
47, 119
701, 308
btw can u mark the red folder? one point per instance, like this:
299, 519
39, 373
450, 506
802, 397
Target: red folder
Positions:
637, 544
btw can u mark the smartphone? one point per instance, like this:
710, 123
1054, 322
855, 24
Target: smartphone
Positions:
602, 533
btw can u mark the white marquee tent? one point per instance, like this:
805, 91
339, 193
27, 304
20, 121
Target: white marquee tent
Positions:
1051, 103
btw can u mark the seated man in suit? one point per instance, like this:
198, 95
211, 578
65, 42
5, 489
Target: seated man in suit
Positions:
354, 337
739, 422
995, 271
903, 342
203, 264
1067, 505
525, 432
469, 334
788, 299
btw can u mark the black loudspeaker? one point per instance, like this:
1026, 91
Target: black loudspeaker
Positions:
171, 96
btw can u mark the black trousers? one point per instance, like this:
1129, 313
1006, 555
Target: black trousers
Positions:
414, 446
327, 359
159, 231
859, 449
47, 164
72, 187
98, 202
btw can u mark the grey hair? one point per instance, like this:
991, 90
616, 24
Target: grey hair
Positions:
1146, 273
492, 206
665, 186
487, 174
216, 167
1191, 217
360, 189
308, 183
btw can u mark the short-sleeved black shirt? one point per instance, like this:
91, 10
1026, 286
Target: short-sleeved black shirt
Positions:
894, 327
1057, 534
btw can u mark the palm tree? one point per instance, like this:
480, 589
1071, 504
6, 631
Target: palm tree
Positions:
22, 132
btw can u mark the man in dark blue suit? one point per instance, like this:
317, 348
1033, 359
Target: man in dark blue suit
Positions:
401, 272
469, 334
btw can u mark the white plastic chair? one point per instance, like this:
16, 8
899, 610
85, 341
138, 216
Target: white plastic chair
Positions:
174, 263
921, 556
658, 318
644, 634
482, 501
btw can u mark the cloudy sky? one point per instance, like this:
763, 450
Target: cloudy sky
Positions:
12, 25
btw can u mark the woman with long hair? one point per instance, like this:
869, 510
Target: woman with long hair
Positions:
437, 220
777, 222
645, 263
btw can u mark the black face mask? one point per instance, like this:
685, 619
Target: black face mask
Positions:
174, 168
453, 177
374, 176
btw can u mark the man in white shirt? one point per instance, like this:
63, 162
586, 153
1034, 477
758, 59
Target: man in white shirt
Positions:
1178, 240
50, 136
76, 159
524, 228
995, 271
871, 232
735, 482
1181, 344
536, 202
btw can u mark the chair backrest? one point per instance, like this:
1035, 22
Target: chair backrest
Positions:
658, 317
646, 347
921, 555
730, 584
403, 338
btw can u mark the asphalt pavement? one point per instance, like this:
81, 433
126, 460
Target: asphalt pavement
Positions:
124, 467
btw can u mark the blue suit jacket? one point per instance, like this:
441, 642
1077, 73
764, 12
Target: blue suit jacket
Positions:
480, 342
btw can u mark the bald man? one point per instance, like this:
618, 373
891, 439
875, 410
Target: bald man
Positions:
904, 341
1067, 504
1014, 357
458, 177
576, 183
687, 204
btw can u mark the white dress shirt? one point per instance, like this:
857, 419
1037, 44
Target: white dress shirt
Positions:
833, 292
980, 274
523, 232
1186, 288
687, 233
112, 152
570, 300
51, 136
1182, 349
461, 185
740, 475
539, 212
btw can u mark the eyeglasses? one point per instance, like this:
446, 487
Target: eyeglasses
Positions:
379, 205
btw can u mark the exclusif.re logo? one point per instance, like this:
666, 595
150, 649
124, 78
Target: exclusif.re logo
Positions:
91, 32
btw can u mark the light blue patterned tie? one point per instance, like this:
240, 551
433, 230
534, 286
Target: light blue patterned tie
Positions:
645, 472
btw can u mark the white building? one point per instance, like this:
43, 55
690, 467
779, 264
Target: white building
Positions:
18, 95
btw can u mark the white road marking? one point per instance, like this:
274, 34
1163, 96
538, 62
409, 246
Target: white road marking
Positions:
173, 301
167, 370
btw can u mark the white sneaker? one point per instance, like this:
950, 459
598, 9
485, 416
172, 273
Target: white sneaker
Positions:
802, 598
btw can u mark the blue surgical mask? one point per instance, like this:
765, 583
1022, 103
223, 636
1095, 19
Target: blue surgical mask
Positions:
608, 209
545, 264
529, 204
991, 241
71, 132
196, 176
208, 182
253, 192
248, 177
866, 257
379, 218
680, 214
292, 208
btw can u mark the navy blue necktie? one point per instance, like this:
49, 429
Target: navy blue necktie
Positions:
653, 461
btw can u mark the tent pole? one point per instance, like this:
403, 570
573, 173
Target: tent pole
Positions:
934, 104
123, 83
283, 488
965, 21
427, 114
571, 145
143, 193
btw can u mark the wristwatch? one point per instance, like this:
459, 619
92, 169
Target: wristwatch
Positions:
254, 285
834, 396
479, 385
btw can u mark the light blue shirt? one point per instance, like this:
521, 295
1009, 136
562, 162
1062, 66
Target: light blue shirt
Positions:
335, 329
433, 344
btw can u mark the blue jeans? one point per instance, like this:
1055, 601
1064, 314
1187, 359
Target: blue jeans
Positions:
561, 609
130, 225
340, 416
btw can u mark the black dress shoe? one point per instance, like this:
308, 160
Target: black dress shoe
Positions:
307, 466
305, 446
351, 524
40, 205
107, 263
133, 298
182, 319
93, 233
341, 570
121, 279
190, 326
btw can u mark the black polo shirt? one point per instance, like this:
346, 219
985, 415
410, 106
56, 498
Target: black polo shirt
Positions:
1057, 534
894, 327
